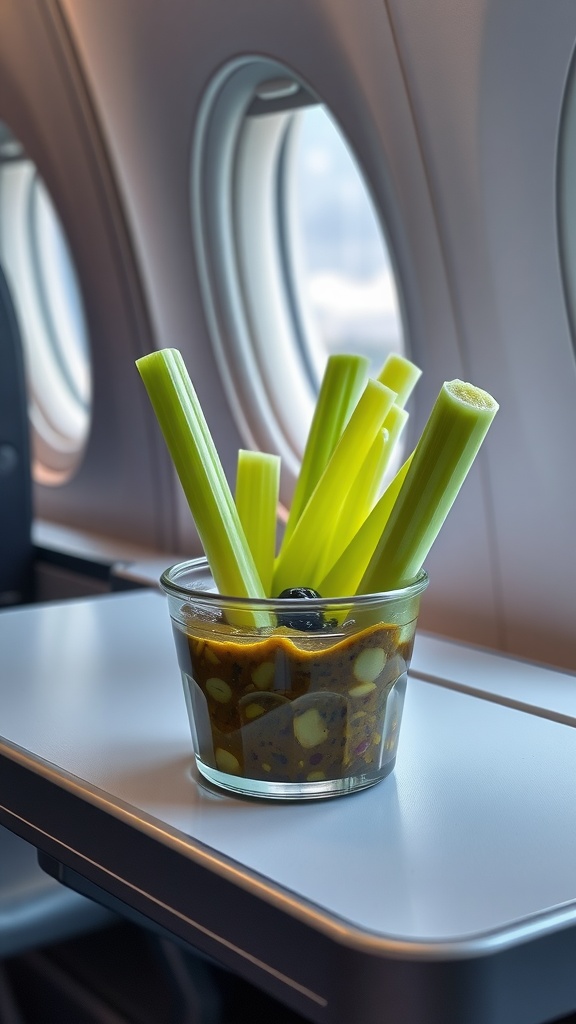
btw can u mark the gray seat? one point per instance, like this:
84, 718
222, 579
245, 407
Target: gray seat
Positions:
34, 908
15, 483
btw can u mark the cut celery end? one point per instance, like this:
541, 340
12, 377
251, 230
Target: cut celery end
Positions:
198, 466
400, 375
456, 428
299, 561
342, 383
257, 487
345, 574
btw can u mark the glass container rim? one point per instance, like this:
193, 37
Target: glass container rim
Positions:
172, 589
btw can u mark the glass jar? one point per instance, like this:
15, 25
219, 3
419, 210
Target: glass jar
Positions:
292, 698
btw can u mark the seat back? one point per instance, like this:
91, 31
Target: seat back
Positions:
16, 555
34, 908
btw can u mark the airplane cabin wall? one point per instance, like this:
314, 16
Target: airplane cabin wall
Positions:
121, 484
349, 58
487, 82
453, 111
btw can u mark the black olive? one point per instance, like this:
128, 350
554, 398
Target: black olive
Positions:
299, 592
307, 622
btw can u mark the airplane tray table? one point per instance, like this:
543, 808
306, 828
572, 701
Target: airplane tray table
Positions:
446, 893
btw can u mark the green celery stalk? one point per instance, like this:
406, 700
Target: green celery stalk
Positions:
456, 428
344, 576
299, 561
341, 386
400, 375
394, 424
198, 466
364, 492
257, 487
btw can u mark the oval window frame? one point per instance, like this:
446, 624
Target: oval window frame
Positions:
236, 181
60, 416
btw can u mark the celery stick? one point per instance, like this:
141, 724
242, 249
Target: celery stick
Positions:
457, 425
371, 474
344, 576
194, 455
394, 424
400, 375
257, 486
299, 560
364, 492
342, 383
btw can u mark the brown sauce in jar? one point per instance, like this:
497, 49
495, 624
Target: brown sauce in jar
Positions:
291, 707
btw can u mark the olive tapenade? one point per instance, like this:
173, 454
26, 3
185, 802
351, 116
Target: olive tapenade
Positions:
289, 707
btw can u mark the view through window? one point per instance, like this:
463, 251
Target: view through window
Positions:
337, 252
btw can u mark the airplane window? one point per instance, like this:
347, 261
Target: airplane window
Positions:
38, 265
337, 257
293, 259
